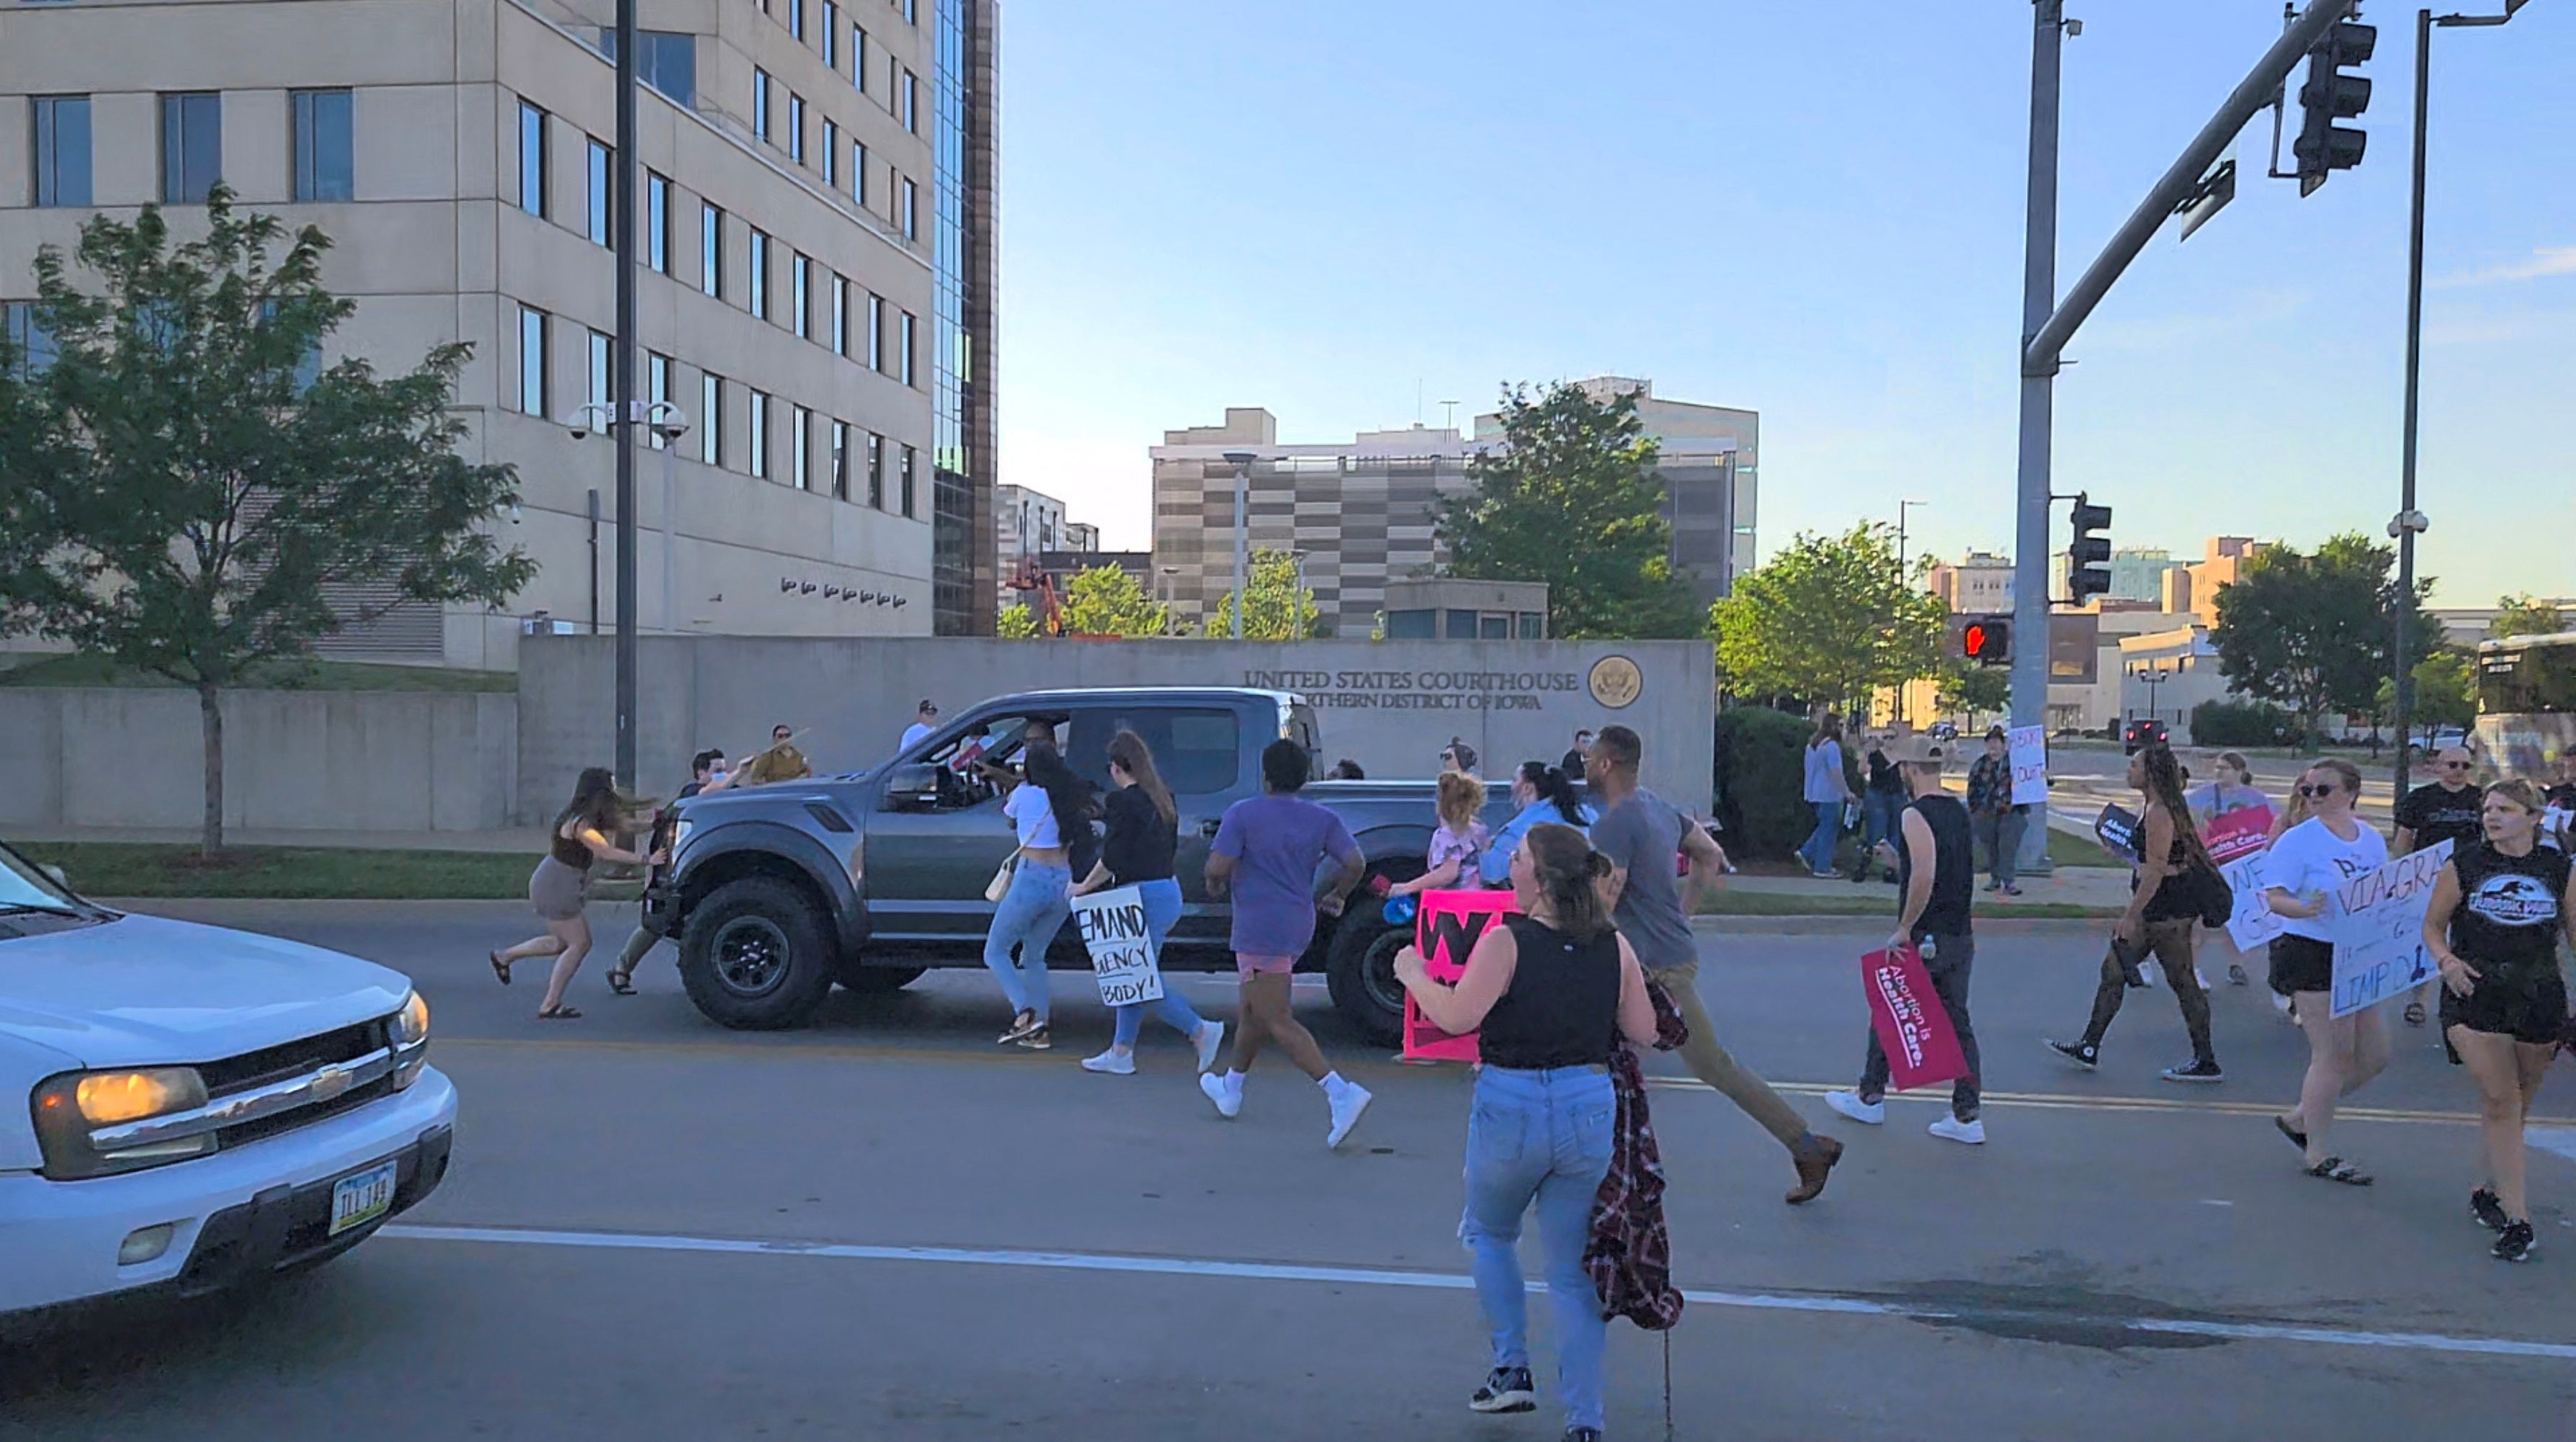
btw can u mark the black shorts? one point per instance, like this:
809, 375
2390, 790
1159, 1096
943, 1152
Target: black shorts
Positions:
2300, 964
2529, 1009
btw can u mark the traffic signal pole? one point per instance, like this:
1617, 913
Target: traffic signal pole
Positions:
2047, 325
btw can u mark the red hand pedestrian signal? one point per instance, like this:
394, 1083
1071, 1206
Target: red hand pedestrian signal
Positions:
1986, 640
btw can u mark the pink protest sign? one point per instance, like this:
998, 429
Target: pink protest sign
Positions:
2241, 832
1912, 1026
1445, 932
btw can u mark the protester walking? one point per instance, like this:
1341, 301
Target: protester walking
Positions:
1640, 833
1936, 879
584, 832
2451, 808
1266, 853
1143, 833
2498, 910
706, 769
1828, 791
1457, 842
1882, 797
1541, 794
2230, 789
1995, 822
2164, 907
1050, 811
1554, 990
2299, 877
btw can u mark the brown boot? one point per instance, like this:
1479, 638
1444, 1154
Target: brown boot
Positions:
1815, 1163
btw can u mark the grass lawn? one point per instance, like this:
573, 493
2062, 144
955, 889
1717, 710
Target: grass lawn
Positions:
289, 873
2067, 849
299, 676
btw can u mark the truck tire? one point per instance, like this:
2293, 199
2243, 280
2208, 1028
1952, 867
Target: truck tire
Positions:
1362, 973
877, 980
756, 957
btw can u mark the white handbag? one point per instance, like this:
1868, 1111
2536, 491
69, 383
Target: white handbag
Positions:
1000, 885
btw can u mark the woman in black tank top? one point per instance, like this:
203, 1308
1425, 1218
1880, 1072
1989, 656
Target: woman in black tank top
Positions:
2497, 913
1554, 990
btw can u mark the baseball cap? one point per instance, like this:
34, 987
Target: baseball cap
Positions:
1918, 750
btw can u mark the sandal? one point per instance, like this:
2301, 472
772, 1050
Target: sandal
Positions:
559, 1013
2297, 1137
500, 968
621, 982
2414, 1013
1035, 1038
1021, 1025
2336, 1169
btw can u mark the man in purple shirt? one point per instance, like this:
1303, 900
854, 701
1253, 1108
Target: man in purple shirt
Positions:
1267, 851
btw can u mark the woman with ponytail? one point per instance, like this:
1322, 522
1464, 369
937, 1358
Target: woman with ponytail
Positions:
1543, 794
1553, 991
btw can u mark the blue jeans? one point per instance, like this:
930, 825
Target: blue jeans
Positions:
1818, 853
1878, 813
1031, 913
1162, 907
1543, 1136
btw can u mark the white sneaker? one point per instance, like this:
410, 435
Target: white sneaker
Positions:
2200, 976
1348, 1103
1211, 1040
1850, 1105
1228, 1095
1954, 1130
1113, 1061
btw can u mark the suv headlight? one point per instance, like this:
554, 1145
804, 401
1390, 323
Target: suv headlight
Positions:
407, 1030
680, 830
70, 1108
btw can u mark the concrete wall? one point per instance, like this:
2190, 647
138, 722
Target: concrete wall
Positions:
324, 760
1390, 706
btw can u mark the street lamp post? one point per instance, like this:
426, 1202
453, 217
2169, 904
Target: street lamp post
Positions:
1902, 507
2409, 522
2154, 676
621, 192
1242, 463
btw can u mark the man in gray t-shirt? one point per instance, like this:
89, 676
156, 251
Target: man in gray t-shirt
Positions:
1641, 834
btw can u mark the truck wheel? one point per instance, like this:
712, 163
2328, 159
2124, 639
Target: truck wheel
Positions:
755, 956
878, 980
1362, 975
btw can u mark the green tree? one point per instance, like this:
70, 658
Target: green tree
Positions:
1571, 497
1279, 609
1828, 621
2312, 631
2445, 691
184, 483
1974, 690
2522, 616
1015, 622
1108, 601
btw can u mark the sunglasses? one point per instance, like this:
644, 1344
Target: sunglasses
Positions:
2454, 765
2313, 792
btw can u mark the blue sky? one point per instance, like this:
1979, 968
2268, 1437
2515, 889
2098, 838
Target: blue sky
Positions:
1331, 207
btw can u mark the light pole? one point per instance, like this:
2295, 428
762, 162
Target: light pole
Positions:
2154, 676
1242, 463
2409, 522
666, 424
1901, 508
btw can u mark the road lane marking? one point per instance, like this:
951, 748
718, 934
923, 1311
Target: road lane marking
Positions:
1138, 1265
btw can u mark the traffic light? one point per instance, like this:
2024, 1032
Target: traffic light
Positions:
2329, 95
2088, 561
1985, 640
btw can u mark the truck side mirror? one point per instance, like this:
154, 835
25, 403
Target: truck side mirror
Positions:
914, 785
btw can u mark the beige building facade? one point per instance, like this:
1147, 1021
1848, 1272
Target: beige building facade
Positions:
813, 232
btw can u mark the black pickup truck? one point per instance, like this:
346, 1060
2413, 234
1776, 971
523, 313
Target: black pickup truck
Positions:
776, 893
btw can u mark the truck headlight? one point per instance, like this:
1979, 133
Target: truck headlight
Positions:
69, 1108
680, 830
407, 1031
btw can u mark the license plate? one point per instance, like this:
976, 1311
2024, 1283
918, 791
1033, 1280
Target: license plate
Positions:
358, 1200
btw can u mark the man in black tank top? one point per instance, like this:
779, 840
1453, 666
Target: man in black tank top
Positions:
1935, 859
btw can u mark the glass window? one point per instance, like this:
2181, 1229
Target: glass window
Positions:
911, 12
32, 348
657, 222
903, 356
711, 419
796, 127
532, 159
840, 316
711, 250
911, 102
603, 170
1533, 625
599, 373
907, 213
796, 18
61, 124
800, 434
657, 387
859, 60
324, 148
840, 460
532, 360
192, 146
831, 34
905, 477
874, 462
1494, 626
800, 272
876, 332
1460, 626
760, 103
759, 261
859, 175
1196, 751
1412, 625
757, 431
667, 60
832, 155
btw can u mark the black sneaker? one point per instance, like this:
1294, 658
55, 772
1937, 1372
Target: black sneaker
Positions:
2236, 974
2199, 1071
2515, 1243
2488, 1208
2083, 1054
1508, 1389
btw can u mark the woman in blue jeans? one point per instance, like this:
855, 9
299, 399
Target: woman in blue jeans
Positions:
1553, 990
1826, 790
1050, 808
1144, 831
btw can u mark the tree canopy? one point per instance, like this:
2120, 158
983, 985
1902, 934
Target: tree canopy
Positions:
1828, 621
1571, 497
2313, 630
2522, 616
186, 482
1278, 608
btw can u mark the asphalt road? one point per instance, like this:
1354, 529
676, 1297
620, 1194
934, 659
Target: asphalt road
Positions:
886, 1227
2084, 778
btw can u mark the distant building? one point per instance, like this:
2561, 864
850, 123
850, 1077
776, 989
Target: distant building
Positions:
1979, 582
1457, 609
2137, 574
1032, 524
2194, 588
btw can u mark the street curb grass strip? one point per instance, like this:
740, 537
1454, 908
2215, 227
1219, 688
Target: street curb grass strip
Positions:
1820, 1302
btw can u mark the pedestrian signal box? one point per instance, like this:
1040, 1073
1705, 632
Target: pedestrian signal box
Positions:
1985, 640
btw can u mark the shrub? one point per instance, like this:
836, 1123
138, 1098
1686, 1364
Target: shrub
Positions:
2239, 723
1761, 779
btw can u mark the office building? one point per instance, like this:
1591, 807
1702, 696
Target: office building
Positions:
1979, 583
814, 216
1026, 523
2137, 574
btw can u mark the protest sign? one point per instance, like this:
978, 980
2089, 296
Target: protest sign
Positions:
2241, 832
2378, 927
1445, 932
1122, 953
2254, 923
2028, 749
1913, 1027
2117, 830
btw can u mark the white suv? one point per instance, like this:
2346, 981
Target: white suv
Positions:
184, 1107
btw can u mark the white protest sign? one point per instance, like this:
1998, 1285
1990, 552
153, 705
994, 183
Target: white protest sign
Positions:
1122, 953
2254, 923
2378, 927
2028, 748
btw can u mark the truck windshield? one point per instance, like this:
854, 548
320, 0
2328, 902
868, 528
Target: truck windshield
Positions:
22, 886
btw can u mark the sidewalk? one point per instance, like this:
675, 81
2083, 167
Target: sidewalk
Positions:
2100, 887
526, 841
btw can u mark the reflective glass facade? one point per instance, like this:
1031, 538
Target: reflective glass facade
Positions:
961, 430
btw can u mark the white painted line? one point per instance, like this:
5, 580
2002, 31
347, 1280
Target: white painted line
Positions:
1444, 1282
